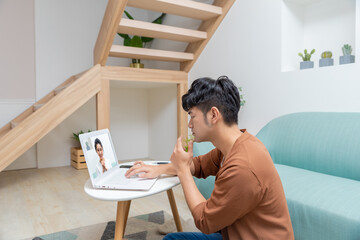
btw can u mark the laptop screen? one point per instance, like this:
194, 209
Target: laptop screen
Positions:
99, 154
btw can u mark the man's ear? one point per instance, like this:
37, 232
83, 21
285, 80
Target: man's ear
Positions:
214, 115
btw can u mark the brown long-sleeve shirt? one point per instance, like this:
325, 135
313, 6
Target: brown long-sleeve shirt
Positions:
248, 200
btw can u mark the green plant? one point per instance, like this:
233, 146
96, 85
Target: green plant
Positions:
306, 56
347, 49
138, 41
242, 100
187, 140
76, 135
326, 54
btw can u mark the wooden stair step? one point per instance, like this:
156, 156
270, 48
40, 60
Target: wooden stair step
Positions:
153, 30
5, 129
151, 54
59, 89
13, 124
22, 116
185, 8
37, 106
46, 98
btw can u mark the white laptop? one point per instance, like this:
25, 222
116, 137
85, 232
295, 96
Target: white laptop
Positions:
103, 166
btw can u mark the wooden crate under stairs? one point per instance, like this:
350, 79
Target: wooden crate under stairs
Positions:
77, 158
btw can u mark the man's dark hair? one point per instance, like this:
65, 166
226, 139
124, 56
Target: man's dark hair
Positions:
97, 141
206, 93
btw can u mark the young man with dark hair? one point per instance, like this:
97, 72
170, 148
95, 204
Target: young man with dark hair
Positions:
248, 200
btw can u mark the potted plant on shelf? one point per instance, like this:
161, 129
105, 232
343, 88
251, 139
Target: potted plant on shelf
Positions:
326, 59
306, 63
138, 41
77, 154
347, 58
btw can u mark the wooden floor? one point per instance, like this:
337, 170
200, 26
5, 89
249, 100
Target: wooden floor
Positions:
40, 201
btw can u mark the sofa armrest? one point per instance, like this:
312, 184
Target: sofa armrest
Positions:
205, 186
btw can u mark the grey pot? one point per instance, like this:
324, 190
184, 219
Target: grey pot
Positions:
306, 64
324, 62
347, 59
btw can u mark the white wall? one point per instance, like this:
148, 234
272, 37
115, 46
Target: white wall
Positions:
162, 122
10, 108
17, 47
292, 28
129, 122
249, 52
17, 66
65, 33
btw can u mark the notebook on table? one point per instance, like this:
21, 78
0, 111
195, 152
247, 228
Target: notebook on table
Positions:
102, 163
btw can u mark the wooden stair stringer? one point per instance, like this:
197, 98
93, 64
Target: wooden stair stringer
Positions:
109, 25
34, 127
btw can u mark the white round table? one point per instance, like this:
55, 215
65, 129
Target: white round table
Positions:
124, 197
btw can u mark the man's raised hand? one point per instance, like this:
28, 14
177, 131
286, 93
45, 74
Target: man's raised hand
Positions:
181, 159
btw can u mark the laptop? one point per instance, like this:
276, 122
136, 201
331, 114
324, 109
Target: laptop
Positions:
104, 168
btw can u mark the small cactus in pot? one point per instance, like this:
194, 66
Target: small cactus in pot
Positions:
326, 59
306, 56
347, 58
326, 54
306, 59
347, 49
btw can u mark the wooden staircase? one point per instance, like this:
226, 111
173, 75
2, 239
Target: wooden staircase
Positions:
28, 128
35, 122
211, 16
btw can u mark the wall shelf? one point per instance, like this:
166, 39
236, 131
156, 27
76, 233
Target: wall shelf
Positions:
323, 25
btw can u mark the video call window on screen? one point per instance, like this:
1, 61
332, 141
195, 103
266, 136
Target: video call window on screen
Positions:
101, 155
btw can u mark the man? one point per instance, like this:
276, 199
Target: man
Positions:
248, 200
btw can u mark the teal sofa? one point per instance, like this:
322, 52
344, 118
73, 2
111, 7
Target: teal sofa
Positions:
317, 156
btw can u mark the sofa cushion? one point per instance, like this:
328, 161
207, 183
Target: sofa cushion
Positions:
321, 206
319, 141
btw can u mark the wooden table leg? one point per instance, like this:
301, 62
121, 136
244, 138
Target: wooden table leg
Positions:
127, 208
121, 218
174, 210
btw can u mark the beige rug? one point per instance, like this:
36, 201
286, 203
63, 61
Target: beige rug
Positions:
151, 226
